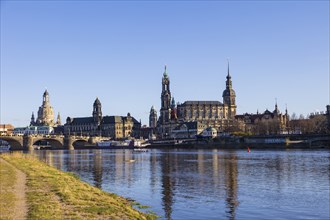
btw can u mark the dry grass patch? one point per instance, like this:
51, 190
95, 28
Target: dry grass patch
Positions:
55, 194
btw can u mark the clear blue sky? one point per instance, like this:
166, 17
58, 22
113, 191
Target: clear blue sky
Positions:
116, 51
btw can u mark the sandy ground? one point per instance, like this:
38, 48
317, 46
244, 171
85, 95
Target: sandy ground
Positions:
21, 209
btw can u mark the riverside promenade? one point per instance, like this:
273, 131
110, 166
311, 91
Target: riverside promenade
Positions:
242, 142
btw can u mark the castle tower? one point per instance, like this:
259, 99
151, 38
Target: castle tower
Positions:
97, 111
173, 105
45, 112
229, 96
165, 99
173, 110
152, 118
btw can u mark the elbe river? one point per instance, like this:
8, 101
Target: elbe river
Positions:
208, 183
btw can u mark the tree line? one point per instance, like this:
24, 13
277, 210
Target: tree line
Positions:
312, 124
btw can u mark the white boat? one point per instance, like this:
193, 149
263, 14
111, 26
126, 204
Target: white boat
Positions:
139, 143
4, 147
104, 143
145, 145
140, 150
113, 144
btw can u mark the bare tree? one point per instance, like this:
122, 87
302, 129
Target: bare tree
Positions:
316, 124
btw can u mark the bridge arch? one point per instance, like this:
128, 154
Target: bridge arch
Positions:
16, 143
79, 143
54, 143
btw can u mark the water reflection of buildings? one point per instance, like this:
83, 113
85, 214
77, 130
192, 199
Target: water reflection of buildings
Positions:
98, 169
202, 174
231, 186
154, 169
52, 158
168, 162
83, 163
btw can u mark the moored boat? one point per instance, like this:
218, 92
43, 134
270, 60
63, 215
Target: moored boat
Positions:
113, 144
140, 150
4, 146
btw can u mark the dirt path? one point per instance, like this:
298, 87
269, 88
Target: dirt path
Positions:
20, 210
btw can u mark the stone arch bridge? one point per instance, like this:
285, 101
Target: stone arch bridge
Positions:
27, 142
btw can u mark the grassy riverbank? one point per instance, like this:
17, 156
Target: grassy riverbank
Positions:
7, 195
53, 194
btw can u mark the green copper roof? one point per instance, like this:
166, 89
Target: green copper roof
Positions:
165, 73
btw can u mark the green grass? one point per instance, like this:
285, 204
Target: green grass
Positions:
7, 196
53, 194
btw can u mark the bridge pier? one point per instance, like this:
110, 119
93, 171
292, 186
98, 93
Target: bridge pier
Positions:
28, 143
92, 140
68, 143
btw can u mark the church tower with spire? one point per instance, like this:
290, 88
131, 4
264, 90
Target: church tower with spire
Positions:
165, 110
165, 99
32, 122
229, 96
58, 121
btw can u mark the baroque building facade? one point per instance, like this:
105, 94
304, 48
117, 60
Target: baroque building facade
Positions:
268, 122
197, 115
45, 114
116, 127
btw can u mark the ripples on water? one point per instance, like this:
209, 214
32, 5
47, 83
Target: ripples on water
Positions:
209, 184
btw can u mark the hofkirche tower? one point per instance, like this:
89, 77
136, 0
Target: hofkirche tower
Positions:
165, 110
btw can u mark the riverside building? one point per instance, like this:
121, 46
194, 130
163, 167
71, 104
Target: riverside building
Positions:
116, 127
268, 122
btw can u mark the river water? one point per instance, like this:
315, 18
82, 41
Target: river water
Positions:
209, 183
